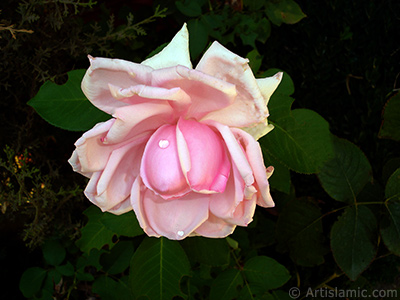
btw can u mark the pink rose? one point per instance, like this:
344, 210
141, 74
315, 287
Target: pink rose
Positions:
181, 147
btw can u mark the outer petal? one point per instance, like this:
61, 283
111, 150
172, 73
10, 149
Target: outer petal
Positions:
203, 156
91, 154
236, 152
249, 107
244, 212
259, 130
144, 93
174, 219
268, 85
236, 205
121, 207
117, 72
112, 186
207, 93
137, 205
175, 53
160, 169
215, 227
255, 158
129, 118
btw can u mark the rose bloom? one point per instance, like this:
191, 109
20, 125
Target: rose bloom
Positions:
181, 148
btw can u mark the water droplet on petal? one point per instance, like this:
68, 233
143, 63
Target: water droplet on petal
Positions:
181, 233
163, 144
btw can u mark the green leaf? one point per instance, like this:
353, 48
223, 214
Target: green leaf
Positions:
284, 11
94, 235
53, 278
299, 231
265, 272
66, 270
255, 60
46, 295
89, 259
189, 8
198, 37
31, 281
217, 27
390, 127
345, 175
125, 224
110, 289
390, 167
119, 258
232, 243
263, 30
280, 179
390, 226
157, 267
66, 106
392, 189
225, 286
300, 140
53, 252
246, 30
211, 252
354, 240
253, 4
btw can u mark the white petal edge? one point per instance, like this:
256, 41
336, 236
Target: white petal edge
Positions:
175, 53
268, 85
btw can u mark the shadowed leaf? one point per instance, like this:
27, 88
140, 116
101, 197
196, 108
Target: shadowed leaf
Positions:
354, 240
66, 106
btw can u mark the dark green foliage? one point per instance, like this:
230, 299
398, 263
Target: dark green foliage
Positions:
337, 227
347, 173
391, 119
299, 232
354, 240
66, 106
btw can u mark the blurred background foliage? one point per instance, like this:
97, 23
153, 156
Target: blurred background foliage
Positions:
341, 62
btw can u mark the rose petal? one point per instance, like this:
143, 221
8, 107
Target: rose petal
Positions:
236, 152
76, 164
215, 227
117, 72
244, 212
160, 170
136, 202
129, 117
112, 186
174, 219
144, 93
206, 93
121, 208
249, 106
259, 130
223, 205
175, 53
255, 158
268, 85
237, 204
91, 154
209, 166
